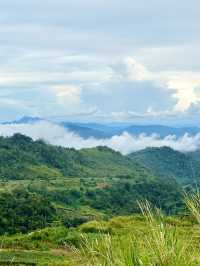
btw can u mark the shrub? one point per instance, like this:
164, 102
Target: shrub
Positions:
95, 227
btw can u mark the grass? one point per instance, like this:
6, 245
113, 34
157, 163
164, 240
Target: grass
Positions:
150, 239
17, 257
162, 244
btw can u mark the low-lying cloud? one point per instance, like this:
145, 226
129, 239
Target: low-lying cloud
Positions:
124, 143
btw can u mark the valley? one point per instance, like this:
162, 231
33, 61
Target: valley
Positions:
49, 193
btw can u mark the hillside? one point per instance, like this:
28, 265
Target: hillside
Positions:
23, 158
51, 198
147, 239
73, 186
166, 162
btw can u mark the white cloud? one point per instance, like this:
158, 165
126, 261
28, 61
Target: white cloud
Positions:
75, 43
182, 83
68, 95
137, 71
185, 84
124, 143
78, 83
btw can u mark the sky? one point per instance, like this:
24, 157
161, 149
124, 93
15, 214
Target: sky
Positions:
95, 60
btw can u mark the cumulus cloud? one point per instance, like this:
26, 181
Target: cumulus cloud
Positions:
182, 84
76, 42
124, 143
69, 96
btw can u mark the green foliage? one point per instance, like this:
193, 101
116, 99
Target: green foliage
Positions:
61, 204
95, 227
43, 184
22, 211
122, 197
148, 240
30, 258
156, 244
23, 158
166, 163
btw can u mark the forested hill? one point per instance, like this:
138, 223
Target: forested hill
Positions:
41, 184
23, 158
166, 162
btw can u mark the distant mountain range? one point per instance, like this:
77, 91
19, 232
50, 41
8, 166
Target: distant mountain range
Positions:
97, 130
24, 120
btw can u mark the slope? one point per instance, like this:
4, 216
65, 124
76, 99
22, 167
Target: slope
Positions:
166, 162
23, 158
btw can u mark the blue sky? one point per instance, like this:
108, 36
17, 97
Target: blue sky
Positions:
96, 60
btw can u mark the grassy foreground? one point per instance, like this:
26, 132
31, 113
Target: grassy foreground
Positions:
150, 239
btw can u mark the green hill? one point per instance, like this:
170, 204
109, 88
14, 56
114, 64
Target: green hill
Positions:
23, 158
41, 184
166, 162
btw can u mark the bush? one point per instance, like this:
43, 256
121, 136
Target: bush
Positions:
95, 227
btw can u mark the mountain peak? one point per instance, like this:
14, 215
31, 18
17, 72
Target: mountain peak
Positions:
26, 120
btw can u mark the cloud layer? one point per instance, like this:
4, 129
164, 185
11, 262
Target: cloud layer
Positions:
124, 143
100, 60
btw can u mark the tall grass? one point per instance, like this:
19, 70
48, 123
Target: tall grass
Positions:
108, 250
161, 245
192, 201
